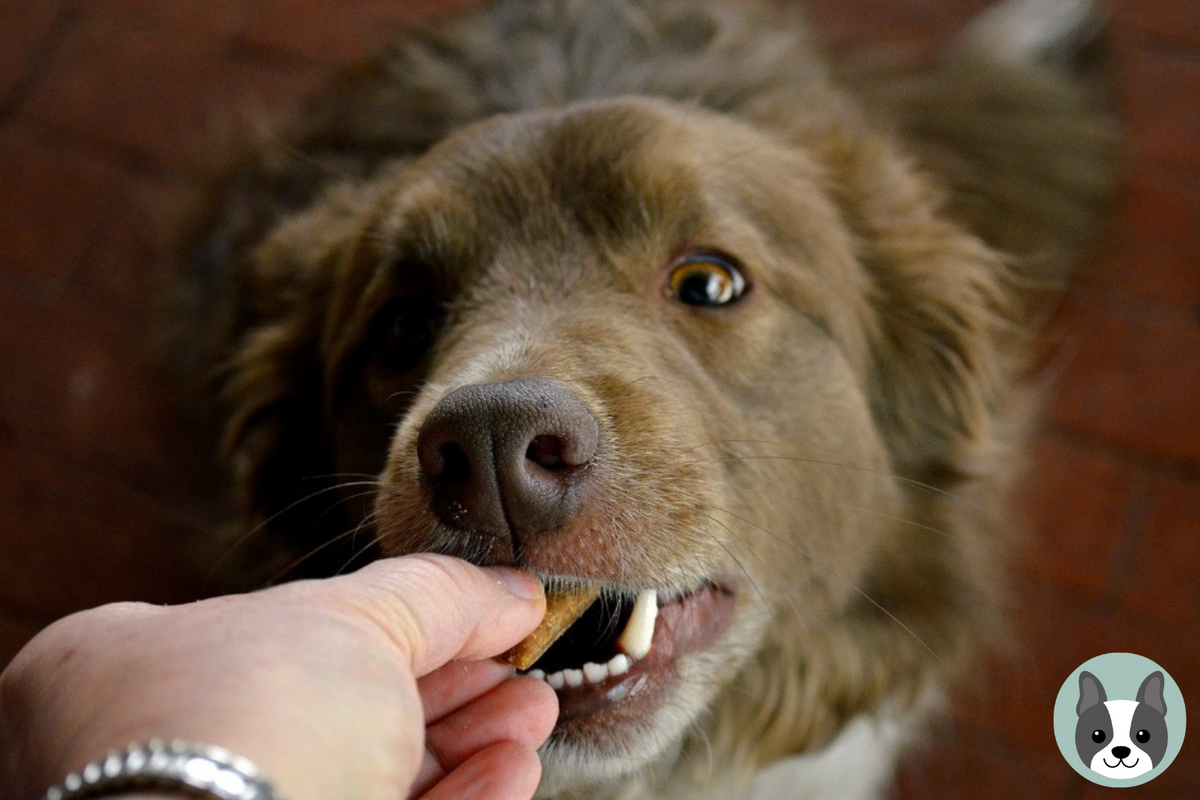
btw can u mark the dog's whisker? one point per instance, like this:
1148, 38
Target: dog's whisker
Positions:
330, 542
698, 734
767, 604
338, 487
807, 459
403, 393
842, 579
749, 577
774, 573
337, 476
344, 500
365, 523
244, 537
300, 155
857, 509
842, 505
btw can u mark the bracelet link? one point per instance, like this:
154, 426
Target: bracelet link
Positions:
194, 770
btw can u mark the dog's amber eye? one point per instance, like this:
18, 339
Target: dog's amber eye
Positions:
705, 280
1098, 736
404, 330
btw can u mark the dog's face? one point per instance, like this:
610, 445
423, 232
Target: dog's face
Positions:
1121, 738
651, 348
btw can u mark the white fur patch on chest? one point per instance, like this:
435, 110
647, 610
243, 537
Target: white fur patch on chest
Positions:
858, 764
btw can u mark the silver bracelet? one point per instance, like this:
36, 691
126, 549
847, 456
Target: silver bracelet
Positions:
176, 766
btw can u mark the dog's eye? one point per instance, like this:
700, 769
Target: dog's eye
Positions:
1143, 736
1098, 736
404, 330
705, 280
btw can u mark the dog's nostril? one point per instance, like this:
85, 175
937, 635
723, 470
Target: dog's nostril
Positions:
508, 457
546, 452
455, 465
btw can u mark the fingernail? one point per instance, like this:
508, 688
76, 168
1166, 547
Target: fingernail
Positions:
522, 584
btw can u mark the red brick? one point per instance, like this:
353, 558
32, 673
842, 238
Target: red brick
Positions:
85, 539
139, 86
77, 384
265, 92
27, 28
1174, 20
972, 765
1160, 580
1000, 740
52, 210
1159, 94
1153, 248
1133, 378
310, 28
1076, 500
1167, 786
130, 259
196, 18
1054, 632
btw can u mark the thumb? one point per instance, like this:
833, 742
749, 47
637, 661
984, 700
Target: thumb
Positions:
438, 609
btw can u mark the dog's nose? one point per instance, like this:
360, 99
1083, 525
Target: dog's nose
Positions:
1121, 752
509, 458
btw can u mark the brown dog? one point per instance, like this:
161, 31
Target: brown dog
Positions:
646, 295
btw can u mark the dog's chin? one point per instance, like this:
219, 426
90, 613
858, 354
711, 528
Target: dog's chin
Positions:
612, 725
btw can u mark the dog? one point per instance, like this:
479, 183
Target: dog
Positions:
654, 295
1121, 738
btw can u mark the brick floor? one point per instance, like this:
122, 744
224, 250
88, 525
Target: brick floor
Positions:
104, 102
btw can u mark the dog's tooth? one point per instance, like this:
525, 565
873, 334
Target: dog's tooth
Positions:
573, 677
639, 631
595, 673
540, 674
556, 680
618, 664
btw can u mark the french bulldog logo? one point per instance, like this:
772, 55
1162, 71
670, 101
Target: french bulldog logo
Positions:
1121, 738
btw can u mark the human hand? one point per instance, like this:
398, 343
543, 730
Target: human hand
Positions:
360, 686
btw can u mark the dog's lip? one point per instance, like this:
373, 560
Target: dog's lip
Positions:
688, 621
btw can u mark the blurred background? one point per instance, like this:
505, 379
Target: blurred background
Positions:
104, 106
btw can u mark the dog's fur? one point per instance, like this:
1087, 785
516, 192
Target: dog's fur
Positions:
834, 447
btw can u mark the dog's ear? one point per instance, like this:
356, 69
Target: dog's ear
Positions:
276, 438
1014, 121
942, 315
1091, 692
1151, 692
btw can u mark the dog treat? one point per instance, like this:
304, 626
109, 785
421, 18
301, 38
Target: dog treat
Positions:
563, 607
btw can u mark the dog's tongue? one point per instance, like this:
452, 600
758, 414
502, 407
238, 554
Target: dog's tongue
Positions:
563, 608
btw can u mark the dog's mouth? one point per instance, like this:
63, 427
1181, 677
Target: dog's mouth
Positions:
619, 658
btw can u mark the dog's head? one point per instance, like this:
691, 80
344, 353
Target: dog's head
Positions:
647, 346
1121, 738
